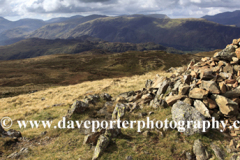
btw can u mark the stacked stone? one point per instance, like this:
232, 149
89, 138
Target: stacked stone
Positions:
211, 86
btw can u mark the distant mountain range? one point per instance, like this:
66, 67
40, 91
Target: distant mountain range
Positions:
35, 47
182, 34
226, 18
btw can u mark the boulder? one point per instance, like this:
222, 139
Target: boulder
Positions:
10, 133
106, 97
206, 74
158, 82
233, 94
173, 99
147, 97
78, 107
163, 88
119, 111
200, 106
102, 144
226, 106
199, 150
210, 86
176, 86
184, 112
198, 93
217, 151
183, 89
226, 54
92, 99
92, 138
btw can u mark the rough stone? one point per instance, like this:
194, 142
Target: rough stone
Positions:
102, 144
210, 86
92, 138
188, 101
173, 99
226, 54
233, 94
149, 83
200, 106
206, 74
199, 150
184, 112
226, 106
183, 89
238, 53
16, 155
198, 93
119, 111
106, 96
78, 107
217, 151
163, 88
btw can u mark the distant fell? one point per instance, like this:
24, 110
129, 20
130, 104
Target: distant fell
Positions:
35, 47
226, 18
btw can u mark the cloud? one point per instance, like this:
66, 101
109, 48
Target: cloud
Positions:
173, 8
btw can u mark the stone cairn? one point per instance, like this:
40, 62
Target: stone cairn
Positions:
210, 87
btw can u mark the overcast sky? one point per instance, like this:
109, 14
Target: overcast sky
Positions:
46, 9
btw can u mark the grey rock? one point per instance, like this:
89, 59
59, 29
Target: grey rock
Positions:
184, 112
119, 111
16, 155
78, 107
102, 144
189, 156
129, 158
200, 106
92, 99
199, 150
163, 88
149, 83
217, 151
106, 97
226, 54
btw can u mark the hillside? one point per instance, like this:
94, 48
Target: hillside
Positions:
225, 18
34, 47
183, 34
23, 76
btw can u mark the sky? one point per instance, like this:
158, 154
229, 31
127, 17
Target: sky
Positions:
47, 9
